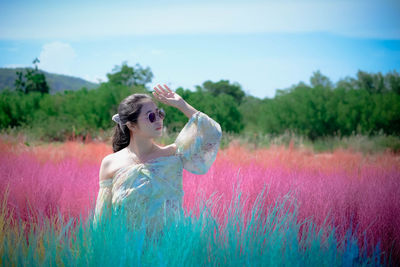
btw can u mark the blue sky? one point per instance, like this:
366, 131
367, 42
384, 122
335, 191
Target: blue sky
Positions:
262, 45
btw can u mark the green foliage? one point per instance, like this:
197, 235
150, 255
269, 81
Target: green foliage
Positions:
302, 110
130, 76
251, 110
223, 87
56, 82
378, 143
318, 79
372, 83
367, 106
35, 81
222, 108
354, 106
17, 108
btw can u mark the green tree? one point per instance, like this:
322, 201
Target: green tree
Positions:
34, 81
318, 79
130, 76
252, 113
373, 83
346, 83
223, 108
224, 87
393, 81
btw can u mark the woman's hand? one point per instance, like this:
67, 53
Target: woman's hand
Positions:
166, 96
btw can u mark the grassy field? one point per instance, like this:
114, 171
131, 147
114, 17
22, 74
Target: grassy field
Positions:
325, 208
364, 144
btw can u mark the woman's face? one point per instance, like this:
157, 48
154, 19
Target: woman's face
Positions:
144, 127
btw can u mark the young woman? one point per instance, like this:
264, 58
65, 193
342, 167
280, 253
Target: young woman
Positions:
144, 178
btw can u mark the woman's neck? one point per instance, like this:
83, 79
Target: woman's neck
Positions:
141, 146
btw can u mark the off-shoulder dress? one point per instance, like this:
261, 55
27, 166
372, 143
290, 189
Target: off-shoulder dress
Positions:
152, 191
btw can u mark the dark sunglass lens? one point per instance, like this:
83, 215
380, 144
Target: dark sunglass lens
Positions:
152, 117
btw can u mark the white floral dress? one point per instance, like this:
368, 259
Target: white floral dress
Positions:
152, 190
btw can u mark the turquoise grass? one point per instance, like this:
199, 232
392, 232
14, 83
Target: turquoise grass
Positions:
278, 239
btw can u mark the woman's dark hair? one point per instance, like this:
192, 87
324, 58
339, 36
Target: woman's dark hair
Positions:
128, 110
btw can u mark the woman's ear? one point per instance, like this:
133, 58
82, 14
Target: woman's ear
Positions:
128, 124
131, 126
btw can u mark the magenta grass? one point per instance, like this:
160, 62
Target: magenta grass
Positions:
364, 197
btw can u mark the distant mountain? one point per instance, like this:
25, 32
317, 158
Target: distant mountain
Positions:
56, 82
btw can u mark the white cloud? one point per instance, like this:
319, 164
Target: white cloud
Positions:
57, 57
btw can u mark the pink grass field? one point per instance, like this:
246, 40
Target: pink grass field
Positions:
362, 192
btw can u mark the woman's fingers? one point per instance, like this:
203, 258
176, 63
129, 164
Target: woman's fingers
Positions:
159, 97
168, 88
161, 88
164, 92
157, 90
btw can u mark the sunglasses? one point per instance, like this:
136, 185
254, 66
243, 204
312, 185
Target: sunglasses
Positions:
152, 115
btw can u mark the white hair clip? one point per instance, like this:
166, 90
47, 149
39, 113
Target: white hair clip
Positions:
117, 120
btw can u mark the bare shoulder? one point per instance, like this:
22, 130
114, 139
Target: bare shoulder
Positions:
109, 166
104, 172
114, 161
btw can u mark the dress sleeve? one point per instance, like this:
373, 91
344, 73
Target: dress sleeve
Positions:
198, 143
103, 202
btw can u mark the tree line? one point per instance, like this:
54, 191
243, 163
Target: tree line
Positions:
367, 104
